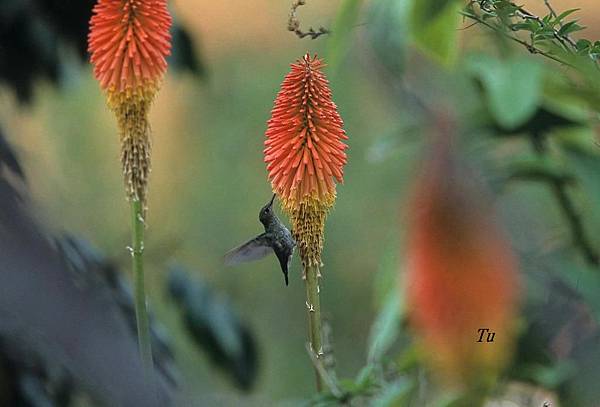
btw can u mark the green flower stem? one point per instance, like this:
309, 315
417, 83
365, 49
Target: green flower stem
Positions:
141, 312
313, 308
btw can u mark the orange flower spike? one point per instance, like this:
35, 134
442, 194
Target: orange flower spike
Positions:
305, 153
462, 274
128, 42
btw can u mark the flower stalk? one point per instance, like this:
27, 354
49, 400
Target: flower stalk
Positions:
313, 307
137, 262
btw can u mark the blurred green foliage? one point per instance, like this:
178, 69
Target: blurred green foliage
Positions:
528, 124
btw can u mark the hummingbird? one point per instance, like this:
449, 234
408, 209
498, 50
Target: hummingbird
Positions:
277, 238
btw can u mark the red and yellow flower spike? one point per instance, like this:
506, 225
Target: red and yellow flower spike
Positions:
128, 42
305, 153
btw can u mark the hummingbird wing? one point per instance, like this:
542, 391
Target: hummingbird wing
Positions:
254, 249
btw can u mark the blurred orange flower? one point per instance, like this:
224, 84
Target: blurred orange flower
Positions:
304, 152
462, 274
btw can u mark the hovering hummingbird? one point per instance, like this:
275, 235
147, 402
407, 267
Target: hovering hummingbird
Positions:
277, 238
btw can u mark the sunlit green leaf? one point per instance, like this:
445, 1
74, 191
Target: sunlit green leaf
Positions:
513, 88
564, 14
434, 27
569, 28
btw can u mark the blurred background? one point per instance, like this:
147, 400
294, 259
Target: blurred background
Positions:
209, 181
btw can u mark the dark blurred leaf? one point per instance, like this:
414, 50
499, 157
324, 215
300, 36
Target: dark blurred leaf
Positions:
543, 121
183, 54
215, 327
54, 322
28, 50
513, 87
36, 37
89, 265
343, 27
434, 26
8, 157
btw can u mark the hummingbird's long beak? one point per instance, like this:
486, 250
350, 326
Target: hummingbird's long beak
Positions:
272, 200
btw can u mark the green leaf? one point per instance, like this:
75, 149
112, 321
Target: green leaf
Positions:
526, 26
342, 30
385, 330
513, 88
434, 28
429, 10
389, 32
570, 27
564, 14
365, 376
583, 44
394, 394
532, 167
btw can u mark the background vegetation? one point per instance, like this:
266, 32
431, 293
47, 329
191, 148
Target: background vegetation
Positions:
209, 181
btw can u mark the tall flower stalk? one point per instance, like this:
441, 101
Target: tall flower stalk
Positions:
305, 156
128, 42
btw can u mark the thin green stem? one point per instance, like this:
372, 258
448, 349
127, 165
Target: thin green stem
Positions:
531, 48
313, 308
141, 312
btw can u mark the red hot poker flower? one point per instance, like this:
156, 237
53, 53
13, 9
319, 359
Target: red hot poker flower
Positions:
128, 42
305, 153
304, 149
